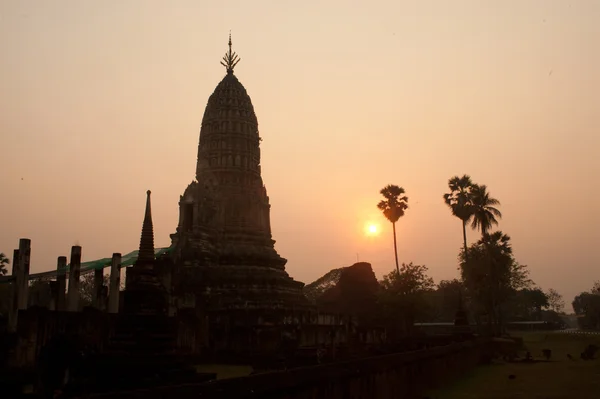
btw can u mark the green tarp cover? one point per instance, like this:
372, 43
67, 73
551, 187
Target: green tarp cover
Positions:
87, 267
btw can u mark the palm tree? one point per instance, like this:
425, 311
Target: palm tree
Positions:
484, 218
491, 273
484, 212
459, 199
393, 207
3, 263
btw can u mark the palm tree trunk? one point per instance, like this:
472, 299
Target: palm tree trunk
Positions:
465, 237
396, 248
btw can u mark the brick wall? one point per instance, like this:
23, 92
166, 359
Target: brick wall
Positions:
390, 376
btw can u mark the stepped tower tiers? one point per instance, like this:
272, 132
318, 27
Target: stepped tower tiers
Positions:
223, 239
145, 293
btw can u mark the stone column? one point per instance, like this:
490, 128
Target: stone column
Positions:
74, 274
115, 283
53, 288
61, 279
98, 282
14, 300
23, 272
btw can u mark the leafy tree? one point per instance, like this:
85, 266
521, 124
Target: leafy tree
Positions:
393, 207
533, 299
412, 279
86, 287
454, 286
3, 264
459, 199
444, 300
403, 294
555, 301
492, 276
483, 209
533, 304
587, 307
554, 317
39, 291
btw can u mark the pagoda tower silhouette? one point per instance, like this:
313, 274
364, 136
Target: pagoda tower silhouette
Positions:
223, 247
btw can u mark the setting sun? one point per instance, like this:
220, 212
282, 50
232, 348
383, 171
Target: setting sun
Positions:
371, 229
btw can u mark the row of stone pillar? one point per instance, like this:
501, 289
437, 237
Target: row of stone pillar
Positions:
70, 301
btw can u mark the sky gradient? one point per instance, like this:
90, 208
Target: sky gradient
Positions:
103, 100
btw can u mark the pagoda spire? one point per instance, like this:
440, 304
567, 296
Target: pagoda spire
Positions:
146, 252
230, 59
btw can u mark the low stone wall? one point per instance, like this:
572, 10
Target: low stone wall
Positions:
390, 376
92, 328
37, 326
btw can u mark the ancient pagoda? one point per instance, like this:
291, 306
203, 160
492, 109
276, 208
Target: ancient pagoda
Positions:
223, 247
145, 292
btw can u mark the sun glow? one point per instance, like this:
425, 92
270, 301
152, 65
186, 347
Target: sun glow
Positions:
371, 229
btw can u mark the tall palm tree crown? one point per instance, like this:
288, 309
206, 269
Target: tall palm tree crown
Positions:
460, 196
393, 207
499, 241
484, 211
395, 202
459, 200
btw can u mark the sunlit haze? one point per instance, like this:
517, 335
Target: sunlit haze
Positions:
103, 100
372, 229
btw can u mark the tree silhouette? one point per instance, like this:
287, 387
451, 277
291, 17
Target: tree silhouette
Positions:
3, 264
39, 289
403, 295
484, 212
587, 306
459, 199
87, 287
534, 299
393, 207
448, 296
492, 275
555, 300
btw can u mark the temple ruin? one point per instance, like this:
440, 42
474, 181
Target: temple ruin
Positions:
222, 248
219, 293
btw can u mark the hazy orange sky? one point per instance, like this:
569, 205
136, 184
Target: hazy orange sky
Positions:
102, 100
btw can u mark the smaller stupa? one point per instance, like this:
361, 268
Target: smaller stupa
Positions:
144, 292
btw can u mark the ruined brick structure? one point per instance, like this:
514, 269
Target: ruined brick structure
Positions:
223, 249
146, 292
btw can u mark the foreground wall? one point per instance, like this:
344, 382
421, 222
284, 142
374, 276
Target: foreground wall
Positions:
391, 376
38, 326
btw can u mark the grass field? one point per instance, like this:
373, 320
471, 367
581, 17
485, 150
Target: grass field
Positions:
560, 378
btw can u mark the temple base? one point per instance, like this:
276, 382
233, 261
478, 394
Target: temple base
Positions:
144, 293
